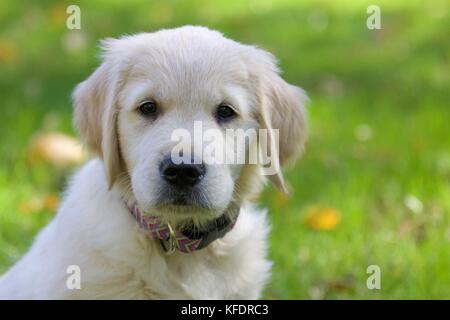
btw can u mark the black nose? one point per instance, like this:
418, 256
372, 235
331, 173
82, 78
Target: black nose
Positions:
183, 174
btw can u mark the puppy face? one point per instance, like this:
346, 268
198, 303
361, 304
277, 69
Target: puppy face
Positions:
157, 101
152, 86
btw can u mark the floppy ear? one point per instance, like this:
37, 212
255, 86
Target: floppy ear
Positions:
95, 116
282, 111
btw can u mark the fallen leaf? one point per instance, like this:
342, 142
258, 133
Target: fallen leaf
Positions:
322, 218
56, 149
37, 204
345, 285
58, 14
8, 51
51, 202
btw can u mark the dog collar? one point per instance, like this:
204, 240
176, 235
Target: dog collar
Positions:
185, 241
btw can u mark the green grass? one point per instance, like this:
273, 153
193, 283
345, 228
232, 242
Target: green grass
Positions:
395, 81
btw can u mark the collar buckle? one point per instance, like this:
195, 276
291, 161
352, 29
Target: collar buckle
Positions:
170, 245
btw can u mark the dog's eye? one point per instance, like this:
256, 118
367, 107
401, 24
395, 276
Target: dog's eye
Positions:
225, 112
148, 108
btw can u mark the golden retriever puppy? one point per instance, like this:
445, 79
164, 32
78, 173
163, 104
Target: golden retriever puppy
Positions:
163, 211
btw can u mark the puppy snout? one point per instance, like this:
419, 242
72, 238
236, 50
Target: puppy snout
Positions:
183, 174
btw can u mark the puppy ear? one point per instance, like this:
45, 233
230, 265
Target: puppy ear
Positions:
282, 112
95, 116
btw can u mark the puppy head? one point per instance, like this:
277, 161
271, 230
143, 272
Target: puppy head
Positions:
190, 82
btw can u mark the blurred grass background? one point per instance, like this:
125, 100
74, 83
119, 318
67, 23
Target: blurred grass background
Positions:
373, 187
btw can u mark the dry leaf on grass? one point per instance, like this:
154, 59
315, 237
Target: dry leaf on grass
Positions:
322, 218
8, 51
57, 149
37, 204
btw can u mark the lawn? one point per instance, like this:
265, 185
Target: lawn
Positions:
373, 187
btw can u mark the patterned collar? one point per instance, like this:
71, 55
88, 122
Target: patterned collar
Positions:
185, 241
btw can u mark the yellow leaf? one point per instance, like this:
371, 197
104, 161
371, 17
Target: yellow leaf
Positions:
58, 14
51, 202
322, 218
39, 203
